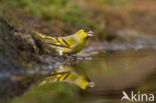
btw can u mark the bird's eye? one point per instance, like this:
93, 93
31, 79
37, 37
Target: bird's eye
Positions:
86, 30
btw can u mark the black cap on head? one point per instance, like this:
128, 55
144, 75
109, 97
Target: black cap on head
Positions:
86, 30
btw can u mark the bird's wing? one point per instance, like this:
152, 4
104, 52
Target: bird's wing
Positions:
57, 41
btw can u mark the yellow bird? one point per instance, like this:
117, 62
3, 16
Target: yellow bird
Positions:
68, 44
70, 74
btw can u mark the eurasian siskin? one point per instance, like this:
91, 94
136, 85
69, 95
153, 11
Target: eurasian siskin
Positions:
68, 44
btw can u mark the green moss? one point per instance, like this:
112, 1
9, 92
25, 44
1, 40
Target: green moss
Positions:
52, 10
113, 2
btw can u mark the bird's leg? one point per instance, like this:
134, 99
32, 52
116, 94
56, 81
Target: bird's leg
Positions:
60, 52
62, 55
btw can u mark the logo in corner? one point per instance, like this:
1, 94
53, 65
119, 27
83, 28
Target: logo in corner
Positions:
134, 97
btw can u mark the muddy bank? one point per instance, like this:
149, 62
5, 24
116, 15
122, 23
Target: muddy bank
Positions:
21, 54
9, 58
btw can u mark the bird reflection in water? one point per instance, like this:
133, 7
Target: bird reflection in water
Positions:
70, 74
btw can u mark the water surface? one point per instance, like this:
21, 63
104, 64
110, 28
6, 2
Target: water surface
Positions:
99, 79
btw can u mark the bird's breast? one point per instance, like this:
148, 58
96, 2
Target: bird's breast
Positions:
78, 47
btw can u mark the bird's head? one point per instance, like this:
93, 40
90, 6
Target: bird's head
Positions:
84, 34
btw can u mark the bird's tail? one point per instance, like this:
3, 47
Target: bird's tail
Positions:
42, 36
45, 38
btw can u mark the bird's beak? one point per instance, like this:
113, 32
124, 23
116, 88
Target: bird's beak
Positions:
90, 33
